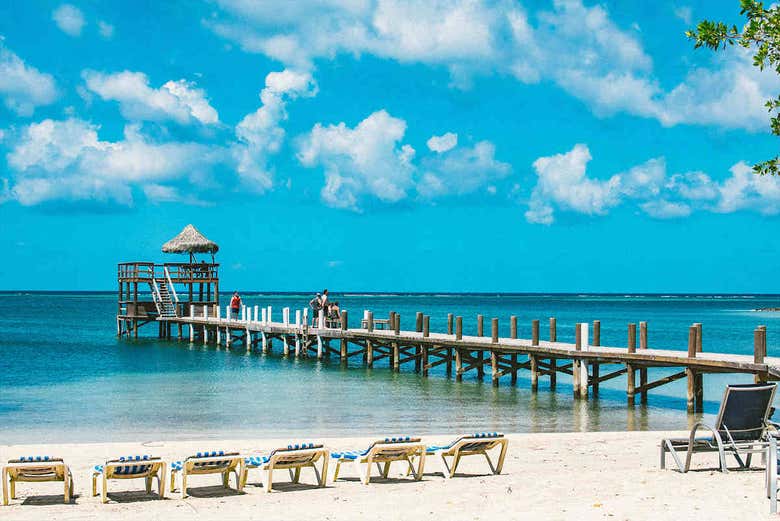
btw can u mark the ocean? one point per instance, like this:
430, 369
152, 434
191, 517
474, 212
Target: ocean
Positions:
64, 376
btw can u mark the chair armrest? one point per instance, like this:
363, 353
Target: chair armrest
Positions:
702, 425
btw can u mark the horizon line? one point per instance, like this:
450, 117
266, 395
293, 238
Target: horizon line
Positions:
429, 293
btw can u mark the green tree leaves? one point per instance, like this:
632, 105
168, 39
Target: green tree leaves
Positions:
761, 33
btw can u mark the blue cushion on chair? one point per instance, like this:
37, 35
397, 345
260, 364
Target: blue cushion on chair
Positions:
298, 446
130, 468
35, 458
256, 461
349, 455
176, 466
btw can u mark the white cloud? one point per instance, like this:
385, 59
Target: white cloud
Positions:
695, 186
644, 181
368, 160
684, 13
731, 96
577, 47
157, 194
461, 171
178, 100
562, 182
66, 160
106, 29
439, 31
69, 19
260, 133
23, 87
745, 190
443, 143
663, 209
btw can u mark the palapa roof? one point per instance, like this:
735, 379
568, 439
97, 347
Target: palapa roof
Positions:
190, 240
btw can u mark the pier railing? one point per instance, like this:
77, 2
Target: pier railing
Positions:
178, 272
586, 361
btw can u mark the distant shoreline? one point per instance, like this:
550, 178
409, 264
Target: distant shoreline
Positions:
622, 294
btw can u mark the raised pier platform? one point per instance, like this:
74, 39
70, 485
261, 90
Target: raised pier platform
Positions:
255, 330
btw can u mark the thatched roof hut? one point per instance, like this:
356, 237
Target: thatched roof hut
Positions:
191, 241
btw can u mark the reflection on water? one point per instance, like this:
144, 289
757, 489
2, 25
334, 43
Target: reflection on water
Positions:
100, 388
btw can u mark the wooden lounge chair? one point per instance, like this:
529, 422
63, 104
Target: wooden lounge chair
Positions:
36, 469
385, 451
472, 445
293, 458
214, 462
740, 429
130, 467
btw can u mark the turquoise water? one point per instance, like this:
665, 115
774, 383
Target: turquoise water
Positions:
64, 376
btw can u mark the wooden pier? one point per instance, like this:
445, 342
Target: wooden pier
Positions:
255, 330
184, 297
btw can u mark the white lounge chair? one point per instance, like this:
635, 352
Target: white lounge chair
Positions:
213, 462
36, 469
479, 444
294, 458
383, 453
130, 467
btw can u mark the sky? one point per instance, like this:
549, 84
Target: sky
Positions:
386, 145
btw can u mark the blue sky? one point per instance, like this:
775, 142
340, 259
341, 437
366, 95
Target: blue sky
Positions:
386, 145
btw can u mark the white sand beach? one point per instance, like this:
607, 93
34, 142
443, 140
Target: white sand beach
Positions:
546, 476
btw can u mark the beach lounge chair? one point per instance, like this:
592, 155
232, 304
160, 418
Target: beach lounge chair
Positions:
472, 445
384, 451
130, 467
294, 458
36, 469
214, 462
739, 430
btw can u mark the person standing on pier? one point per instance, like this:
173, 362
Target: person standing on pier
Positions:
324, 301
316, 305
235, 305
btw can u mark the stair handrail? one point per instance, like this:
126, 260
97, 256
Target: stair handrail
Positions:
156, 296
170, 284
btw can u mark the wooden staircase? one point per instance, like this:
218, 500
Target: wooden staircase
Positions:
162, 299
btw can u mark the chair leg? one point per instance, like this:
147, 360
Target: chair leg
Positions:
67, 485
490, 463
239, 472
321, 476
13, 489
446, 470
297, 477
663, 455
455, 464
386, 469
104, 492
161, 482
148, 484
367, 478
94, 484
183, 483
269, 480
173, 481
5, 487
675, 457
336, 470
420, 467
226, 479
501, 457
